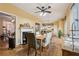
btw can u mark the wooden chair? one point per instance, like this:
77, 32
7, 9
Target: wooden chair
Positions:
32, 42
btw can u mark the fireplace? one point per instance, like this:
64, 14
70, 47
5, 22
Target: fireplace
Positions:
24, 31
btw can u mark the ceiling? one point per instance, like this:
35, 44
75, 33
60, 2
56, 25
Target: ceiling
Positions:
58, 10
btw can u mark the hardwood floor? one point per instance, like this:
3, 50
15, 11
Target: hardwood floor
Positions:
3, 43
54, 49
69, 53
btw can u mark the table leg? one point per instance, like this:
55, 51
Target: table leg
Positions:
40, 47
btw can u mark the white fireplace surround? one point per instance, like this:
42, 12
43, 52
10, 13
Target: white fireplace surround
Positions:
25, 30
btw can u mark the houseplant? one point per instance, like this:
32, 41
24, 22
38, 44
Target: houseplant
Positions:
59, 34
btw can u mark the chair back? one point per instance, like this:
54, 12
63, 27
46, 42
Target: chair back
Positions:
48, 38
31, 39
37, 33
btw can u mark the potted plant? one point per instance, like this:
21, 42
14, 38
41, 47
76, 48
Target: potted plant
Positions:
59, 34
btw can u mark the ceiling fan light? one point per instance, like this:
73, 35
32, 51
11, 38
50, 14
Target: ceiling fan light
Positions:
44, 14
41, 14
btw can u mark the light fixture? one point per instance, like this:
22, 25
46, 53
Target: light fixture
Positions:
42, 14
12, 21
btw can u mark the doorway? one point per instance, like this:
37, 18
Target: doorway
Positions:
7, 29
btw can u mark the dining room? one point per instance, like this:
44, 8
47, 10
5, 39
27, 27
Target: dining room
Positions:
40, 27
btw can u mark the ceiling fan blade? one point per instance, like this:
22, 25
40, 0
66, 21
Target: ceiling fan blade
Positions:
39, 8
37, 11
48, 11
47, 8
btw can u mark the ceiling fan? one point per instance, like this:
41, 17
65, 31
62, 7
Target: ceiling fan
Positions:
43, 10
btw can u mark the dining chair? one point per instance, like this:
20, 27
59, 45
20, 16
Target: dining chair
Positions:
32, 42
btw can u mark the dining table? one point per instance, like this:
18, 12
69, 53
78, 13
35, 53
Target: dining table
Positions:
40, 37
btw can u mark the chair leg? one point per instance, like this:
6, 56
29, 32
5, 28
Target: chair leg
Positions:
42, 48
35, 52
28, 50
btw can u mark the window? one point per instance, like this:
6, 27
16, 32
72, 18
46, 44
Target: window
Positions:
71, 42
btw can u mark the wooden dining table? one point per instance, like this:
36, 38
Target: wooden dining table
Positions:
40, 37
